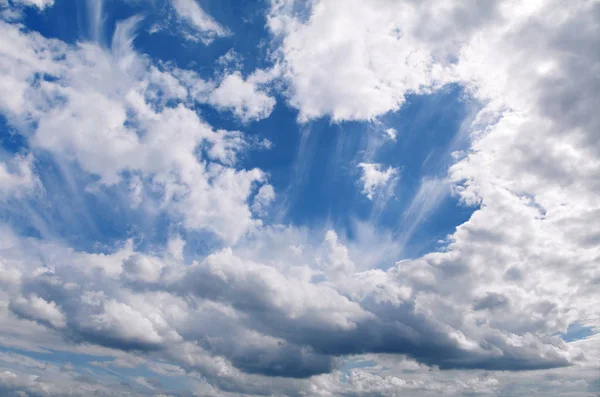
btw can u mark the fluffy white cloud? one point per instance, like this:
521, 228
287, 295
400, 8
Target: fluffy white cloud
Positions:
193, 14
354, 62
275, 306
262, 200
374, 177
17, 177
242, 97
107, 112
41, 4
147, 308
533, 171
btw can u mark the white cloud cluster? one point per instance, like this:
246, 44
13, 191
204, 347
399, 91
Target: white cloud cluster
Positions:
242, 97
107, 111
533, 166
265, 295
374, 177
354, 62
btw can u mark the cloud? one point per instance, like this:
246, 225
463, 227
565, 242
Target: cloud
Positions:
17, 177
281, 320
296, 325
204, 24
262, 200
374, 177
518, 64
36, 308
352, 63
107, 112
281, 310
40, 4
242, 97
391, 133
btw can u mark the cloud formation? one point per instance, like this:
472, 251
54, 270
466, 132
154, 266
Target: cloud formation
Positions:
264, 308
191, 12
374, 177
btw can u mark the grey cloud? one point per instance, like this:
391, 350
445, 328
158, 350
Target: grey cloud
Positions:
490, 301
277, 325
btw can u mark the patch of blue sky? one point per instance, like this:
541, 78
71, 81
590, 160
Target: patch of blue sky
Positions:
172, 383
314, 167
64, 21
353, 364
58, 357
577, 332
159, 34
100, 367
11, 142
66, 210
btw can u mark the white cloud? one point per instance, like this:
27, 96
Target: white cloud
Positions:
123, 323
354, 62
41, 4
17, 177
107, 112
375, 177
262, 200
243, 97
391, 133
532, 169
533, 166
36, 308
192, 13
169, 309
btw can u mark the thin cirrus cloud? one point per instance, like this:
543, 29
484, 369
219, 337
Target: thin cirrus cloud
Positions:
200, 290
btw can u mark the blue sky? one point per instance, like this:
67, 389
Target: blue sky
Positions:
231, 198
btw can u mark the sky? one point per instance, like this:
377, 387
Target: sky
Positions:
358, 198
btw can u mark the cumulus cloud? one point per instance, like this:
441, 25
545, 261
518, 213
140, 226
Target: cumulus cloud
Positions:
365, 62
297, 325
518, 70
375, 177
36, 308
242, 97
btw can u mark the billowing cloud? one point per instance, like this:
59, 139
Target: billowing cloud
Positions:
242, 97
